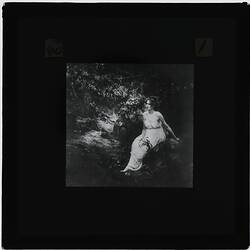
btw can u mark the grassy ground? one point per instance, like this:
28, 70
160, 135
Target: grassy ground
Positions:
96, 158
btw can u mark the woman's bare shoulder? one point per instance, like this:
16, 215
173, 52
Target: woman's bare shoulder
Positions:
159, 114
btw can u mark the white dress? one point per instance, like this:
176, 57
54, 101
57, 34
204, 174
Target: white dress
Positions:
153, 135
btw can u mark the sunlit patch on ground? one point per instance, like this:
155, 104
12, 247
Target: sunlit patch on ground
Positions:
95, 138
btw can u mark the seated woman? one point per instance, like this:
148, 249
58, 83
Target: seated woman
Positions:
155, 130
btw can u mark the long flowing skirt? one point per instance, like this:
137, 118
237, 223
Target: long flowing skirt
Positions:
139, 149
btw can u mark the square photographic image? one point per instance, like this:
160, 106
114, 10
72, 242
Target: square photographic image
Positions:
129, 125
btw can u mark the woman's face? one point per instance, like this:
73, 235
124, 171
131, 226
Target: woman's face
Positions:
148, 105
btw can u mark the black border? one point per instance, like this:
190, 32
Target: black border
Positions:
12, 12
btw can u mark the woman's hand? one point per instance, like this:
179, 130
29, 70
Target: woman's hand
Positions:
177, 139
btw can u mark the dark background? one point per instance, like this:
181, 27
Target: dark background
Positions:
38, 209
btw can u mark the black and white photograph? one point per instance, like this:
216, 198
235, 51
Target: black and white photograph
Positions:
129, 125
125, 126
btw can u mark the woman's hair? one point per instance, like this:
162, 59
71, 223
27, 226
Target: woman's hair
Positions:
153, 101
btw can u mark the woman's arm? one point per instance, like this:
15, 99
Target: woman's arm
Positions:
166, 126
143, 132
143, 128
